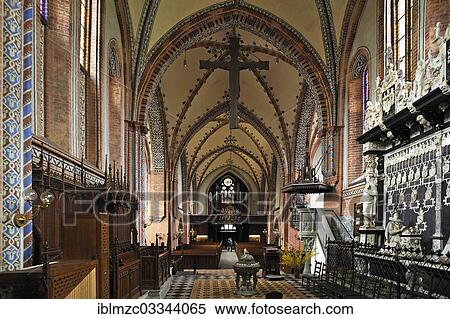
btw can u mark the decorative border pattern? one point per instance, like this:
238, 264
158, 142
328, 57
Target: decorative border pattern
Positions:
143, 35
27, 122
82, 114
70, 170
12, 118
330, 44
156, 134
353, 192
308, 106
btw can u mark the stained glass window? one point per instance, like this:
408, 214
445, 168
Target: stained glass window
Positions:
85, 18
43, 10
365, 88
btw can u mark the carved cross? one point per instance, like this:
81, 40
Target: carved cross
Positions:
234, 66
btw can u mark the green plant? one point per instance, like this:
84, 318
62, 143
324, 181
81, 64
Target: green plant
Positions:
296, 258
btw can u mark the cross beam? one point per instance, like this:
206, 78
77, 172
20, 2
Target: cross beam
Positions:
234, 66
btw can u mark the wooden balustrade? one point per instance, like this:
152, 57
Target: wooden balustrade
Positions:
155, 267
55, 280
72, 279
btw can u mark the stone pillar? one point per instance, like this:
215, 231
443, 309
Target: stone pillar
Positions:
16, 27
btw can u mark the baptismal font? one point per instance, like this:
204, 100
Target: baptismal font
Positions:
246, 269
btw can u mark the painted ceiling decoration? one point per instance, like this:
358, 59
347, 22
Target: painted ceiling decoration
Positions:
186, 109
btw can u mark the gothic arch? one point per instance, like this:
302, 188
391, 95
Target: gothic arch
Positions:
246, 115
216, 18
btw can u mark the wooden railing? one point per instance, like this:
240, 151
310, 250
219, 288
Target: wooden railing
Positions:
86, 289
57, 280
155, 268
72, 279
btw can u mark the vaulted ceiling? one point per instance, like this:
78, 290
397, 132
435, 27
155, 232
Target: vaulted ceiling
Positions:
276, 106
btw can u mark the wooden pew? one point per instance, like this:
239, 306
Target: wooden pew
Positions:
156, 264
200, 255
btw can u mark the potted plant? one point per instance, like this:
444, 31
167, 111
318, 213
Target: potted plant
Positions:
296, 258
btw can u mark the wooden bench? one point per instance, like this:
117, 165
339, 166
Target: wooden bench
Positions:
205, 255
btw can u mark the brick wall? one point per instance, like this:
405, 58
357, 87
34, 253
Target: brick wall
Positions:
115, 121
57, 73
436, 11
293, 240
355, 128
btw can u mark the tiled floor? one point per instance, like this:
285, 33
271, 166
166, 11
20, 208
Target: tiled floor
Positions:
219, 283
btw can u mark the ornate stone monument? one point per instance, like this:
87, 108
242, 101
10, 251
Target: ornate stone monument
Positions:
406, 128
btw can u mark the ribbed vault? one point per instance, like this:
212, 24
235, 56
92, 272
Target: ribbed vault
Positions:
193, 103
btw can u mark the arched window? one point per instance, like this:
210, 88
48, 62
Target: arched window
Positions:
227, 195
365, 89
400, 19
227, 192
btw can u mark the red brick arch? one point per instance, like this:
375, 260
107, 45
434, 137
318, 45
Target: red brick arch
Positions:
181, 36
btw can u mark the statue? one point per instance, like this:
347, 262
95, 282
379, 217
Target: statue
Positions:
429, 192
372, 116
414, 194
391, 75
419, 81
370, 193
446, 166
394, 229
390, 199
401, 197
447, 32
437, 31
423, 121
432, 171
417, 174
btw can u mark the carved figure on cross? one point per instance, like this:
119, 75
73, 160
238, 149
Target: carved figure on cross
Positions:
234, 66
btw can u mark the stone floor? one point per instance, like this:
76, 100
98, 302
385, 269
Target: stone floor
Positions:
227, 259
219, 283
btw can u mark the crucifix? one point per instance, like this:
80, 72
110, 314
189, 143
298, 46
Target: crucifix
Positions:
234, 66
